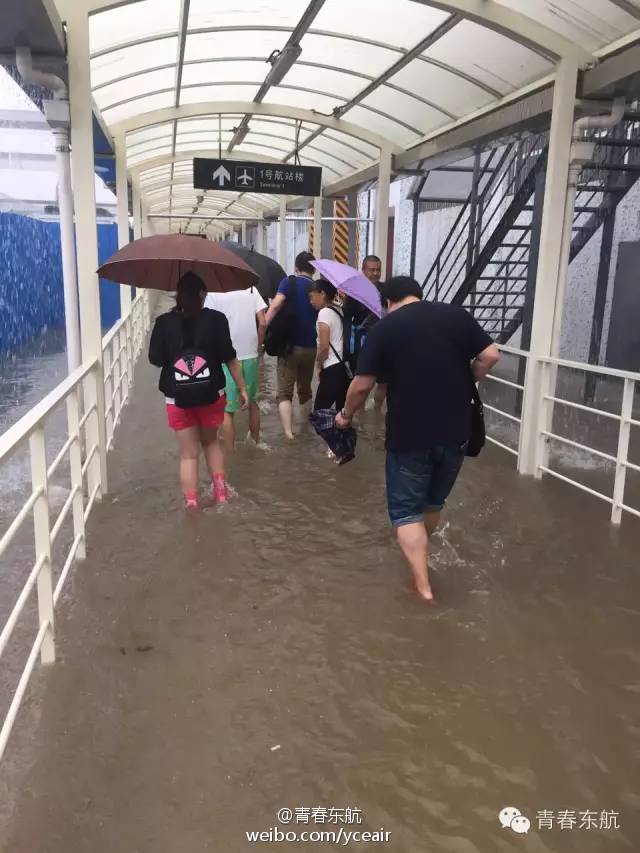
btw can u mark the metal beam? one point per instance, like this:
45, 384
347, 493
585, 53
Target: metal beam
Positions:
393, 69
487, 13
612, 71
298, 32
305, 89
401, 63
209, 108
428, 60
628, 7
516, 26
525, 110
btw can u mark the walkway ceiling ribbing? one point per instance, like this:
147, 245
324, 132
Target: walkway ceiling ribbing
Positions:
179, 76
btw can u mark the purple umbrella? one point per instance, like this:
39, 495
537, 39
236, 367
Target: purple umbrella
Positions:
353, 283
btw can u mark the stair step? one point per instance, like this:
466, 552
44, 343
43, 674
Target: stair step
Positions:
588, 188
501, 278
612, 167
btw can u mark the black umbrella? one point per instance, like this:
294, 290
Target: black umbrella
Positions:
270, 272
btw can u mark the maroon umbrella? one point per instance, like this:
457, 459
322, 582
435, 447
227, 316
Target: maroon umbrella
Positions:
158, 262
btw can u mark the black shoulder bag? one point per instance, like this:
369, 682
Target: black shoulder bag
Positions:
478, 431
280, 333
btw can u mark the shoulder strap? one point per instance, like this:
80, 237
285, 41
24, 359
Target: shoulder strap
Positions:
333, 349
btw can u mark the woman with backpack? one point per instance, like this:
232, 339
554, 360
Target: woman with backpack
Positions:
190, 344
335, 374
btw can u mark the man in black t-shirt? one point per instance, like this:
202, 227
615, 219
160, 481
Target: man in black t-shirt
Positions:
429, 354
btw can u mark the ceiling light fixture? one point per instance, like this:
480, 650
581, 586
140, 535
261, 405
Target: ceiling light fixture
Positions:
281, 63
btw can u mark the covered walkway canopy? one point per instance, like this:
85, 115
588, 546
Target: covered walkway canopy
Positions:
349, 86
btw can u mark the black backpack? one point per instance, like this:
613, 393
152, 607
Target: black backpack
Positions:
192, 379
354, 338
281, 331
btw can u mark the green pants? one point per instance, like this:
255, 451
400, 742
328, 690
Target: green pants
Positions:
250, 372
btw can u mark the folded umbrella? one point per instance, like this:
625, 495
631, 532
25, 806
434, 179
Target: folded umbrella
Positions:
352, 282
341, 441
158, 262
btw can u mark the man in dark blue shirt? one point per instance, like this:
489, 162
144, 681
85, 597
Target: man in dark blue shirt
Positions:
429, 354
296, 369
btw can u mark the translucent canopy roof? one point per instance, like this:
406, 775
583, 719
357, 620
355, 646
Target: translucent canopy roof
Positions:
178, 78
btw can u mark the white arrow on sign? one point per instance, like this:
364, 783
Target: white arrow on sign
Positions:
221, 175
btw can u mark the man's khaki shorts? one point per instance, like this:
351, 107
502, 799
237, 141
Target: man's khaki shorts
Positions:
296, 369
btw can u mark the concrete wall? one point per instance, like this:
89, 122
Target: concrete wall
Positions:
581, 286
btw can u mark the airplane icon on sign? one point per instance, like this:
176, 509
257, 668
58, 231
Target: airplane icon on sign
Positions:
245, 177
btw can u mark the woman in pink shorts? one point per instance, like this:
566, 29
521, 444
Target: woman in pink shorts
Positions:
190, 344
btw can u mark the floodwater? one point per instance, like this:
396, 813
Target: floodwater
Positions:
217, 669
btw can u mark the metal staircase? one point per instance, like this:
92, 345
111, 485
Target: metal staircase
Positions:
488, 261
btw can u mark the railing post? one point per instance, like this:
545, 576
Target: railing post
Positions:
623, 450
122, 357
108, 394
75, 467
115, 342
548, 383
95, 430
42, 536
129, 334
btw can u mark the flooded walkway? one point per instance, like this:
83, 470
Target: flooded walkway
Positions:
214, 670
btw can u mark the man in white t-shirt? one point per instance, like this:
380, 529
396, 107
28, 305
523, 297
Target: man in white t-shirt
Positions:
245, 311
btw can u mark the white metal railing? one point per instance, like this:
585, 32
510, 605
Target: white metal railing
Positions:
549, 398
501, 412
80, 393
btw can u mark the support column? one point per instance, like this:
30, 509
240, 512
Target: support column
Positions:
84, 194
382, 208
122, 194
530, 283
317, 226
137, 212
243, 232
326, 226
282, 233
473, 216
353, 230
260, 233
547, 309
414, 238
68, 249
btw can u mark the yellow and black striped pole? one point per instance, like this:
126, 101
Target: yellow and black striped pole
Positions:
310, 230
341, 232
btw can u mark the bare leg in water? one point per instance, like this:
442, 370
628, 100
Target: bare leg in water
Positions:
285, 408
414, 543
229, 432
189, 445
379, 396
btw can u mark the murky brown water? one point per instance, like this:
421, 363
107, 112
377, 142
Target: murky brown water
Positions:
192, 647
